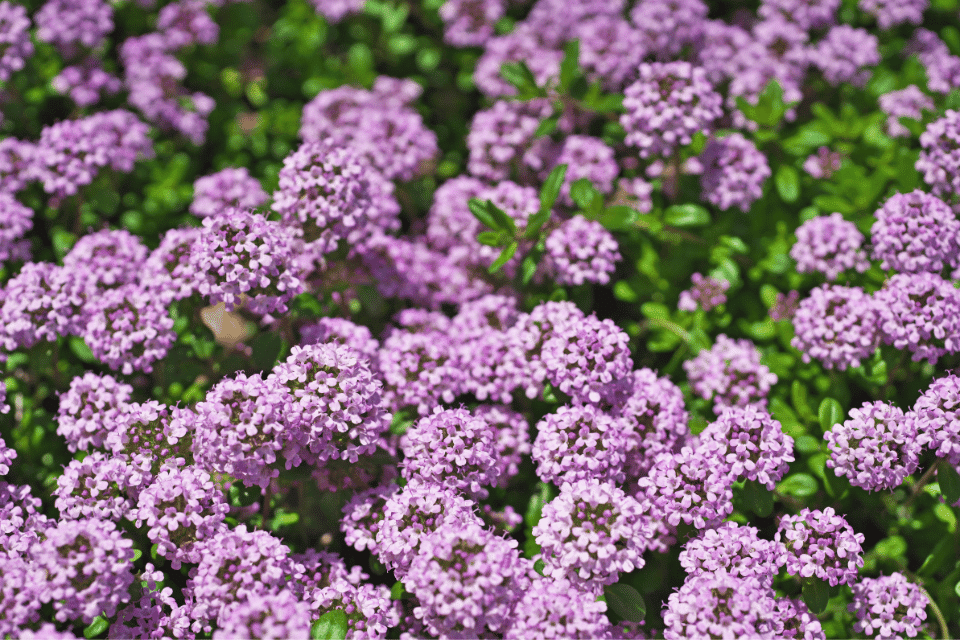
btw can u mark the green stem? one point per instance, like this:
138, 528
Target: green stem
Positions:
944, 631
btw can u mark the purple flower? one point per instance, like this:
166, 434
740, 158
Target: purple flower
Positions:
450, 447
242, 254
362, 516
17, 162
409, 516
916, 232
15, 221
558, 609
785, 306
512, 439
580, 251
277, 614
706, 293
943, 69
583, 359
756, 447
939, 160
70, 153
590, 533
109, 258
891, 13
336, 10
85, 82
920, 313
229, 188
467, 580
88, 567
845, 55
47, 631
798, 622
669, 25
470, 23
888, 607
379, 125
655, 408
588, 158
240, 428
187, 22
168, 266
734, 549
937, 418
720, 605
89, 408
369, 609
418, 370
129, 329
824, 163
96, 486
829, 245
335, 403
909, 102
730, 374
330, 192
821, 544
876, 448
717, 49
181, 506
734, 171
341, 331
7, 456
21, 583
149, 434
501, 142
611, 49
580, 442
71, 24
837, 326
525, 44
667, 105
693, 486
553, 20
15, 41
807, 14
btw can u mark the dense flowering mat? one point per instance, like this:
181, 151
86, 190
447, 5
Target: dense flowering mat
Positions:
479, 319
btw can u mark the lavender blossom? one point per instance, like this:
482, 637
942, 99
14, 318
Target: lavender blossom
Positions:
888, 607
21, 582
187, 22
909, 102
149, 434
85, 82
512, 439
720, 605
95, 487
730, 374
15, 221
845, 54
525, 44
588, 158
14, 39
876, 448
734, 549
87, 408
362, 516
706, 293
921, 314
806, 14
829, 245
419, 370
916, 232
890, 14
734, 171
72, 24
785, 306
939, 160
667, 105
7, 456
943, 68
611, 49
756, 447
558, 609
937, 417
669, 25
470, 23
109, 258
17, 161
336, 10
821, 544
580, 442
798, 621
837, 326
824, 163
229, 188
581, 250
502, 136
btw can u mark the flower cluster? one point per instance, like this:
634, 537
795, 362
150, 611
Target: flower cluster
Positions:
707, 293
937, 417
829, 245
888, 607
232, 188
580, 251
720, 605
876, 448
821, 544
921, 314
734, 549
756, 447
730, 374
939, 160
837, 326
15, 39
916, 232
734, 171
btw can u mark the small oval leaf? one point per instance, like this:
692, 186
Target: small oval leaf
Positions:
830, 413
949, 481
331, 626
625, 601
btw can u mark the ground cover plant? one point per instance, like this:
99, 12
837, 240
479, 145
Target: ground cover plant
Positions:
480, 319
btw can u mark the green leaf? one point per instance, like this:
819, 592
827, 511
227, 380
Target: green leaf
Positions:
830, 413
401, 421
623, 291
331, 626
801, 400
266, 349
816, 594
655, 311
758, 497
584, 193
500, 216
97, 628
551, 188
527, 268
490, 238
504, 257
686, 215
619, 217
949, 481
625, 601
398, 591
547, 126
479, 210
937, 558
799, 485
535, 224
81, 350
788, 183
519, 75
568, 66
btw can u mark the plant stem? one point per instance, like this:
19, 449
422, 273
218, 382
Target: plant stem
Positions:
944, 631
921, 483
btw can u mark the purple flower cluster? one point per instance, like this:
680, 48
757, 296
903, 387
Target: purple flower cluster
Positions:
580, 442
97, 486
888, 607
720, 605
824, 163
336, 10
921, 314
15, 221
937, 418
580, 251
232, 188
821, 544
527, 44
876, 448
943, 68
892, 13
378, 125
611, 49
755, 445
669, 25
85, 82
469, 23
939, 160
734, 171
730, 374
735, 549
667, 105
15, 44
241, 255
909, 102
845, 54
87, 408
916, 232
70, 25
829, 245
707, 293
837, 326
590, 533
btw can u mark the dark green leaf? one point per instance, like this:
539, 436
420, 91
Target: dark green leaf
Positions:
799, 485
583, 193
479, 210
686, 215
331, 626
535, 224
546, 126
816, 594
625, 601
97, 628
519, 75
551, 188
579, 88
266, 349
501, 218
398, 591
830, 413
619, 217
490, 238
81, 350
504, 257
569, 65
527, 268
758, 497
949, 481
788, 183
937, 558
402, 420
